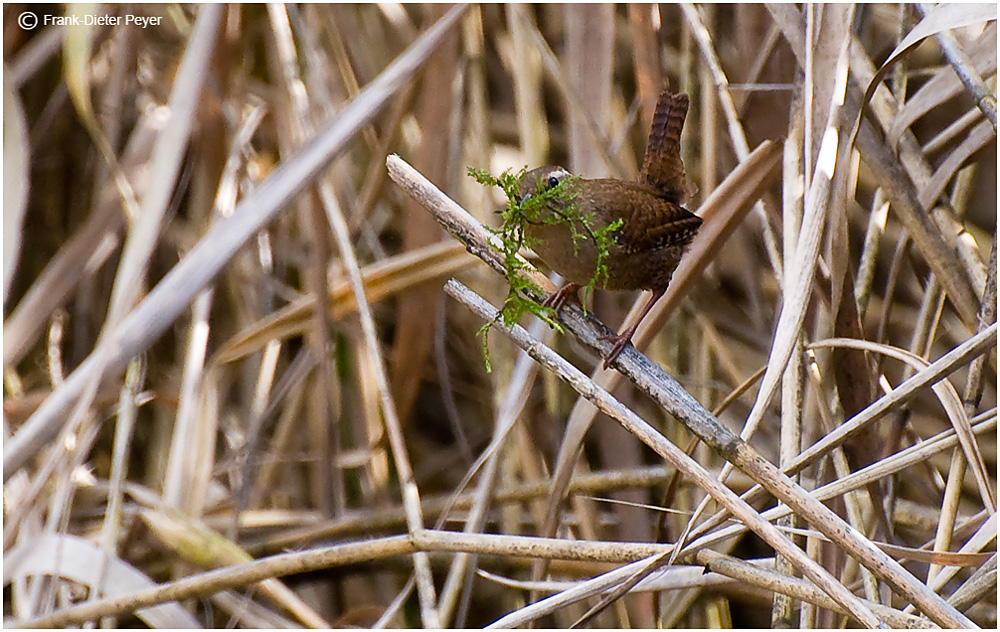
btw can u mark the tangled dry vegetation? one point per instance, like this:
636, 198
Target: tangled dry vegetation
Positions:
207, 422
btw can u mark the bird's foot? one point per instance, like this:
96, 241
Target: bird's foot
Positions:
619, 341
559, 298
625, 337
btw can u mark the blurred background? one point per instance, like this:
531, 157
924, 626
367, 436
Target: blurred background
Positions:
257, 413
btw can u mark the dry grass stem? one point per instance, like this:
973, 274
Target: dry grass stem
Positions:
239, 391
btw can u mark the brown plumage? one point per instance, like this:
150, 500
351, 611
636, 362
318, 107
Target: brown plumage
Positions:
661, 166
655, 232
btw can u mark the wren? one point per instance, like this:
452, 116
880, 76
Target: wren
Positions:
655, 229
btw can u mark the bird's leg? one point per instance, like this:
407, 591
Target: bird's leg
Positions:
558, 298
623, 338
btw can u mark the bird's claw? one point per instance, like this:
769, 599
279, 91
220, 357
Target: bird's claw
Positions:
557, 299
619, 344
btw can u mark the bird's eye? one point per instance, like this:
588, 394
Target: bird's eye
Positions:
553, 181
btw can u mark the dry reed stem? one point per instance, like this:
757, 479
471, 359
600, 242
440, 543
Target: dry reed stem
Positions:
155, 313
974, 347
276, 437
966, 71
739, 572
523, 378
285, 564
890, 465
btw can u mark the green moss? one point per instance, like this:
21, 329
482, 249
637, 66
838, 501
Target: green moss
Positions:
517, 216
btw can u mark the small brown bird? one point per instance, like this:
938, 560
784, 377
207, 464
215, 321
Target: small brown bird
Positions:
655, 228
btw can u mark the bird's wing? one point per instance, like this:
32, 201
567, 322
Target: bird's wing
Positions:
649, 220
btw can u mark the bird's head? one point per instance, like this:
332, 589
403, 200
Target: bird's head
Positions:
540, 180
